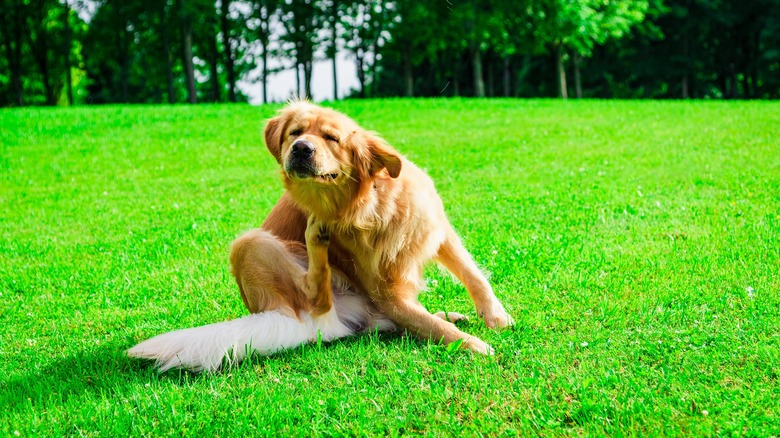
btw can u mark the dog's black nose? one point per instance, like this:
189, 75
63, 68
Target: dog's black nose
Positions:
302, 149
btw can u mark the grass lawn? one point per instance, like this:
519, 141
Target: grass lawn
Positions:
636, 244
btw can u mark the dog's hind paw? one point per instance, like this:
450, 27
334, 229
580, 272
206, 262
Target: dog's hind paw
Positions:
451, 316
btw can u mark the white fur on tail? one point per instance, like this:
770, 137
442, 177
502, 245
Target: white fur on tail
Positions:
204, 348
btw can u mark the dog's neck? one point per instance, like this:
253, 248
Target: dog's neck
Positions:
356, 205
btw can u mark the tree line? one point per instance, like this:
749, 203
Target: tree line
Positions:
108, 51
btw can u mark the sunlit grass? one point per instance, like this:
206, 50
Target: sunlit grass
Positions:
635, 243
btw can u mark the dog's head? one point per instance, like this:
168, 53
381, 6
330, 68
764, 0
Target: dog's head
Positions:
316, 145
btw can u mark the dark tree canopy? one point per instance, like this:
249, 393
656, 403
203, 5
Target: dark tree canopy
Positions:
103, 51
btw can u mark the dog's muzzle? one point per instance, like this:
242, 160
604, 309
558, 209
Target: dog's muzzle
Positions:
301, 162
302, 150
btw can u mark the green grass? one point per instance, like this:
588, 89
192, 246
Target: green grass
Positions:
635, 243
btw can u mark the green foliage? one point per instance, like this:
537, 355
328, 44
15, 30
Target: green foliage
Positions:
131, 46
302, 20
643, 48
367, 24
721, 49
635, 243
150, 52
581, 25
36, 42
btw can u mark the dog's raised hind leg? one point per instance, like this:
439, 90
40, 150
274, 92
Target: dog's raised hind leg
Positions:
318, 276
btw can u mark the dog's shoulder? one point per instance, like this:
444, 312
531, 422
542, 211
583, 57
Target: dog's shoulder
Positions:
286, 220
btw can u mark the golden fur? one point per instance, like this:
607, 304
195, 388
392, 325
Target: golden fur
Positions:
358, 216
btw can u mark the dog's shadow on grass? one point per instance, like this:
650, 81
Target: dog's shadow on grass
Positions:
107, 370
102, 370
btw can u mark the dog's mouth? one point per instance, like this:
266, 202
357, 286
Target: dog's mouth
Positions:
326, 177
306, 171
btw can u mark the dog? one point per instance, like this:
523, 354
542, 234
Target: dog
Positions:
342, 252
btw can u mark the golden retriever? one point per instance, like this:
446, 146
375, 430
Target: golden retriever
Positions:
343, 251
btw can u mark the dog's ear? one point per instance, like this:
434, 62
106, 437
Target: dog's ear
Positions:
374, 154
273, 137
385, 156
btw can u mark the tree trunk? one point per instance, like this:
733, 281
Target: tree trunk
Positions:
186, 39
334, 15
265, 71
686, 44
476, 63
750, 60
213, 67
456, 75
265, 35
734, 85
507, 76
307, 68
522, 74
745, 86
68, 44
40, 51
408, 73
562, 91
577, 77
228, 48
377, 12
374, 72
16, 78
306, 64
124, 64
361, 74
754, 85
490, 82
12, 36
43, 64
167, 49
298, 83
335, 80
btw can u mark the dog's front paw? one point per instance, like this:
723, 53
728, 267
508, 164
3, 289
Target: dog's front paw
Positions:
496, 316
478, 346
451, 316
317, 233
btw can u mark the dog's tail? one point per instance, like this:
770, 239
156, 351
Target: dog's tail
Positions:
206, 348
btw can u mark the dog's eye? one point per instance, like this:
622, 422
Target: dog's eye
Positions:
330, 137
296, 132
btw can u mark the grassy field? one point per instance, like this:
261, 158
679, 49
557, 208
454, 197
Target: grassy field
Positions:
636, 244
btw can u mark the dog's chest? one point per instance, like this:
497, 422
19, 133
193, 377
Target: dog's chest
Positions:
364, 256
364, 250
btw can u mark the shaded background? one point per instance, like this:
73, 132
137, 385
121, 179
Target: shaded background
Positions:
125, 51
